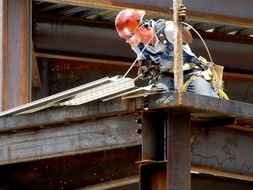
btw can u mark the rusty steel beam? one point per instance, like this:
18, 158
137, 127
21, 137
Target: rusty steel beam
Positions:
93, 170
166, 156
128, 182
69, 139
1, 50
16, 52
224, 148
51, 130
218, 11
190, 101
178, 151
153, 135
225, 49
67, 115
152, 165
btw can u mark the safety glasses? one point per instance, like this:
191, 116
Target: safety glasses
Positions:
129, 36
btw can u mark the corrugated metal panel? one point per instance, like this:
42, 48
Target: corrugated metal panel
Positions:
102, 89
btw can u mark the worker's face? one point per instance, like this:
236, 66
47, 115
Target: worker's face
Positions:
134, 38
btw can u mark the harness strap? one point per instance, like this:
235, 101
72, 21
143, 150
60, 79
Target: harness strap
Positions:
220, 92
186, 84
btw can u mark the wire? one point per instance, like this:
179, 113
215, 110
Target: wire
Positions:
143, 50
210, 57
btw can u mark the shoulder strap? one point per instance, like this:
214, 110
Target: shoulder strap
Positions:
159, 28
145, 54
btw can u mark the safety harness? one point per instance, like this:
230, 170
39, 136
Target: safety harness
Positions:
210, 71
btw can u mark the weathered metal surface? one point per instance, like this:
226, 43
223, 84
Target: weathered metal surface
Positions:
215, 11
47, 128
224, 148
178, 47
166, 157
197, 103
153, 136
152, 170
69, 114
16, 33
225, 52
74, 171
96, 90
153, 176
178, 151
1, 50
130, 183
74, 138
200, 182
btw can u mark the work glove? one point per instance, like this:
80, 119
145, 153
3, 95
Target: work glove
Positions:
144, 71
182, 13
147, 69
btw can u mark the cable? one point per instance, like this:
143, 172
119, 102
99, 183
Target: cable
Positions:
210, 57
143, 50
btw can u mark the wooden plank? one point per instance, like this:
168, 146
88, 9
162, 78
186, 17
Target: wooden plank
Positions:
75, 138
178, 47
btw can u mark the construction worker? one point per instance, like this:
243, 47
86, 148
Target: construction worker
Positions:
152, 41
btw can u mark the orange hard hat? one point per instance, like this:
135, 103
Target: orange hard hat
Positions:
128, 20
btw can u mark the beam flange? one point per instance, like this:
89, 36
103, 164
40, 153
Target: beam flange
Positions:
217, 11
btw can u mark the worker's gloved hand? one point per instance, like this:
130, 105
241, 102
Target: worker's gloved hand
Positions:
147, 69
144, 71
182, 13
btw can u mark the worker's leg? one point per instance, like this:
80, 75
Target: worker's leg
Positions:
199, 85
165, 83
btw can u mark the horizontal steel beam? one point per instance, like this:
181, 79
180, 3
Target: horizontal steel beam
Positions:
74, 138
215, 148
81, 40
98, 126
68, 115
125, 182
233, 12
202, 104
75, 171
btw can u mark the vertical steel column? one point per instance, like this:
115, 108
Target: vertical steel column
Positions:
153, 134
178, 151
166, 155
16, 49
153, 165
1, 51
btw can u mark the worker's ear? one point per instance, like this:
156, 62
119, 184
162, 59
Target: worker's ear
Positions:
141, 28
